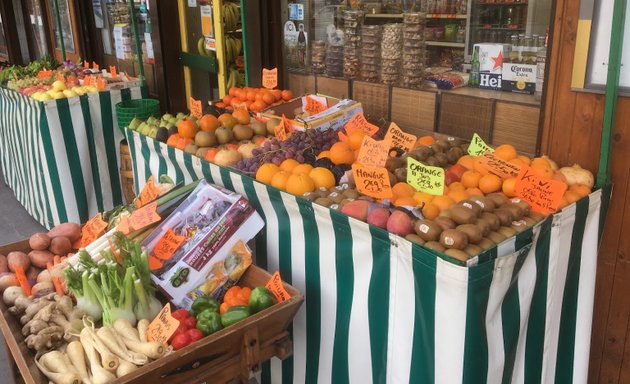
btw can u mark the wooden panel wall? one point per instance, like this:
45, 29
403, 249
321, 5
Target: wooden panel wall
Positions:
572, 129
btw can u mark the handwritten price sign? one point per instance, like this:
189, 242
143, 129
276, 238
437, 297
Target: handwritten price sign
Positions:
425, 178
371, 181
284, 129
167, 245
275, 286
478, 147
542, 194
400, 139
195, 108
113, 70
144, 216
149, 193
499, 167
163, 326
374, 153
359, 122
44, 74
314, 104
92, 230
270, 78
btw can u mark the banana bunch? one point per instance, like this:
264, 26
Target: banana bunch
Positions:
201, 48
233, 46
231, 16
234, 78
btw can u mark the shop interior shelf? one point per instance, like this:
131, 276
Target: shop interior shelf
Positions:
445, 44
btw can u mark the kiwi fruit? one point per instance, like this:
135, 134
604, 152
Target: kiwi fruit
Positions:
519, 225
336, 197
498, 198
453, 238
428, 230
432, 161
394, 163
530, 222
473, 250
453, 155
486, 205
517, 212
441, 158
401, 174
421, 153
496, 237
505, 216
455, 142
472, 231
483, 225
445, 222
435, 246
335, 207
472, 205
525, 207
457, 254
325, 201
486, 243
322, 192
392, 178
446, 213
492, 219
311, 196
507, 231
443, 145
415, 238
345, 201
462, 215
350, 193
537, 216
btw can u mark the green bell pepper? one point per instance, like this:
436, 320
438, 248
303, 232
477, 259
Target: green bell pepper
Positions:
235, 314
209, 322
261, 298
202, 303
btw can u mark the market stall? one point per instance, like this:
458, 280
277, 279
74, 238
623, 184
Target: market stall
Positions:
61, 157
381, 308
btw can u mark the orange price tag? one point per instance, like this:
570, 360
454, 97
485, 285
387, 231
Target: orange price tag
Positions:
374, 153
372, 181
123, 225
100, 83
359, 122
92, 230
499, 167
400, 139
95, 66
21, 276
195, 108
44, 74
163, 326
87, 80
314, 105
149, 193
144, 216
241, 105
542, 194
61, 77
275, 286
284, 129
113, 70
167, 245
270, 78
86, 64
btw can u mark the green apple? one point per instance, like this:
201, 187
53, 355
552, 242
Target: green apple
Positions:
59, 85
91, 89
37, 95
44, 96
135, 123
70, 93
167, 117
79, 90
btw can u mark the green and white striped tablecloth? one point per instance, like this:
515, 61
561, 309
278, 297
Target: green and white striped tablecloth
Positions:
380, 309
61, 157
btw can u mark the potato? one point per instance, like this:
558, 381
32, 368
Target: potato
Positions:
18, 259
39, 241
41, 258
7, 280
60, 246
44, 276
4, 265
43, 287
70, 230
32, 273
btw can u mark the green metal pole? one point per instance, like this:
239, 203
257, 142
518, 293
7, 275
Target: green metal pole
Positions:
134, 30
612, 90
60, 30
244, 38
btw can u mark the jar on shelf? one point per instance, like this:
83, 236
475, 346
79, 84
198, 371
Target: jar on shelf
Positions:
318, 56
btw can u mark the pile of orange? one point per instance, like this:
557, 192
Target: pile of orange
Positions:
294, 177
255, 99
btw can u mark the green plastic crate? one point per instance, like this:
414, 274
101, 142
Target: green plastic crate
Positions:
140, 108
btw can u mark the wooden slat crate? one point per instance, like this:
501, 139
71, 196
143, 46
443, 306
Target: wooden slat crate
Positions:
414, 111
226, 356
336, 88
461, 116
301, 84
516, 124
374, 98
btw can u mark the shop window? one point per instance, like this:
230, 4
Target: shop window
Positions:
36, 21
4, 50
66, 26
113, 18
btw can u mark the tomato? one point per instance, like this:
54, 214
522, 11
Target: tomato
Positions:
181, 314
182, 328
190, 322
194, 334
180, 341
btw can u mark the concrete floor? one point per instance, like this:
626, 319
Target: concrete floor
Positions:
15, 224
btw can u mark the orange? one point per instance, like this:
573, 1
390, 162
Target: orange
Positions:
209, 123
425, 140
266, 172
173, 139
563, 203
286, 95
508, 187
322, 177
470, 179
341, 153
402, 201
227, 99
299, 184
477, 166
288, 165
458, 195
211, 153
456, 186
466, 161
258, 106
446, 190
525, 159
268, 98
518, 162
540, 162
183, 142
241, 94
474, 192
505, 152
430, 211
241, 116
490, 183
323, 154
227, 120
279, 180
187, 128
302, 168
580, 189
572, 196
251, 95
442, 202
543, 171
355, 139
402, 189
277, 94
422, 197
232, 91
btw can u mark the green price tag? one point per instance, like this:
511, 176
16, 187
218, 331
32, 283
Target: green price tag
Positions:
425, 178
478, 147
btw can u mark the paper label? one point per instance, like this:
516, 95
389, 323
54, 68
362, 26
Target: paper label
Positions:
207, 29
374, 153
100, 83
163, 326
86, 64
242, 105
149, 193
499, 167
44, 74
144, 216
542, 194
425, 178
123, 225
359, 122
314, 104
92, 230
371, 181
195, 108
270, 78
275, 286
400, 139
478, 147
167, 245
95, 66
113, 70
284, 129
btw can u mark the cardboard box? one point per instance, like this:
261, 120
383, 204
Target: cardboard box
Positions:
491, 65
519, 78
339, 112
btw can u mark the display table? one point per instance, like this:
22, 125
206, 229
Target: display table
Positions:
61, 157
381, 309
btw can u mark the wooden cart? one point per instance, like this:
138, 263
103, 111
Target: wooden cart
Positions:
229, 355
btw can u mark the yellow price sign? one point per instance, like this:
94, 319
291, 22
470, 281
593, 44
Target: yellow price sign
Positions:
425, 178
478, 147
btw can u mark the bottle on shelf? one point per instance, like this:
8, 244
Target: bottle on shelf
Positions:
476, 66
541, 58
514, 49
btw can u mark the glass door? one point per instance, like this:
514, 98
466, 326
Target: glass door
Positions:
68, 29
4, 50
37, 24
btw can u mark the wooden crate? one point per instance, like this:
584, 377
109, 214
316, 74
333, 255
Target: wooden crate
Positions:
516, 124
374, 98
413, 110
301, 84
336, 88
461, 116
230, 354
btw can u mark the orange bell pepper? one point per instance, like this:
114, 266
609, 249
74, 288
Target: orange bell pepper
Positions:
235, 296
